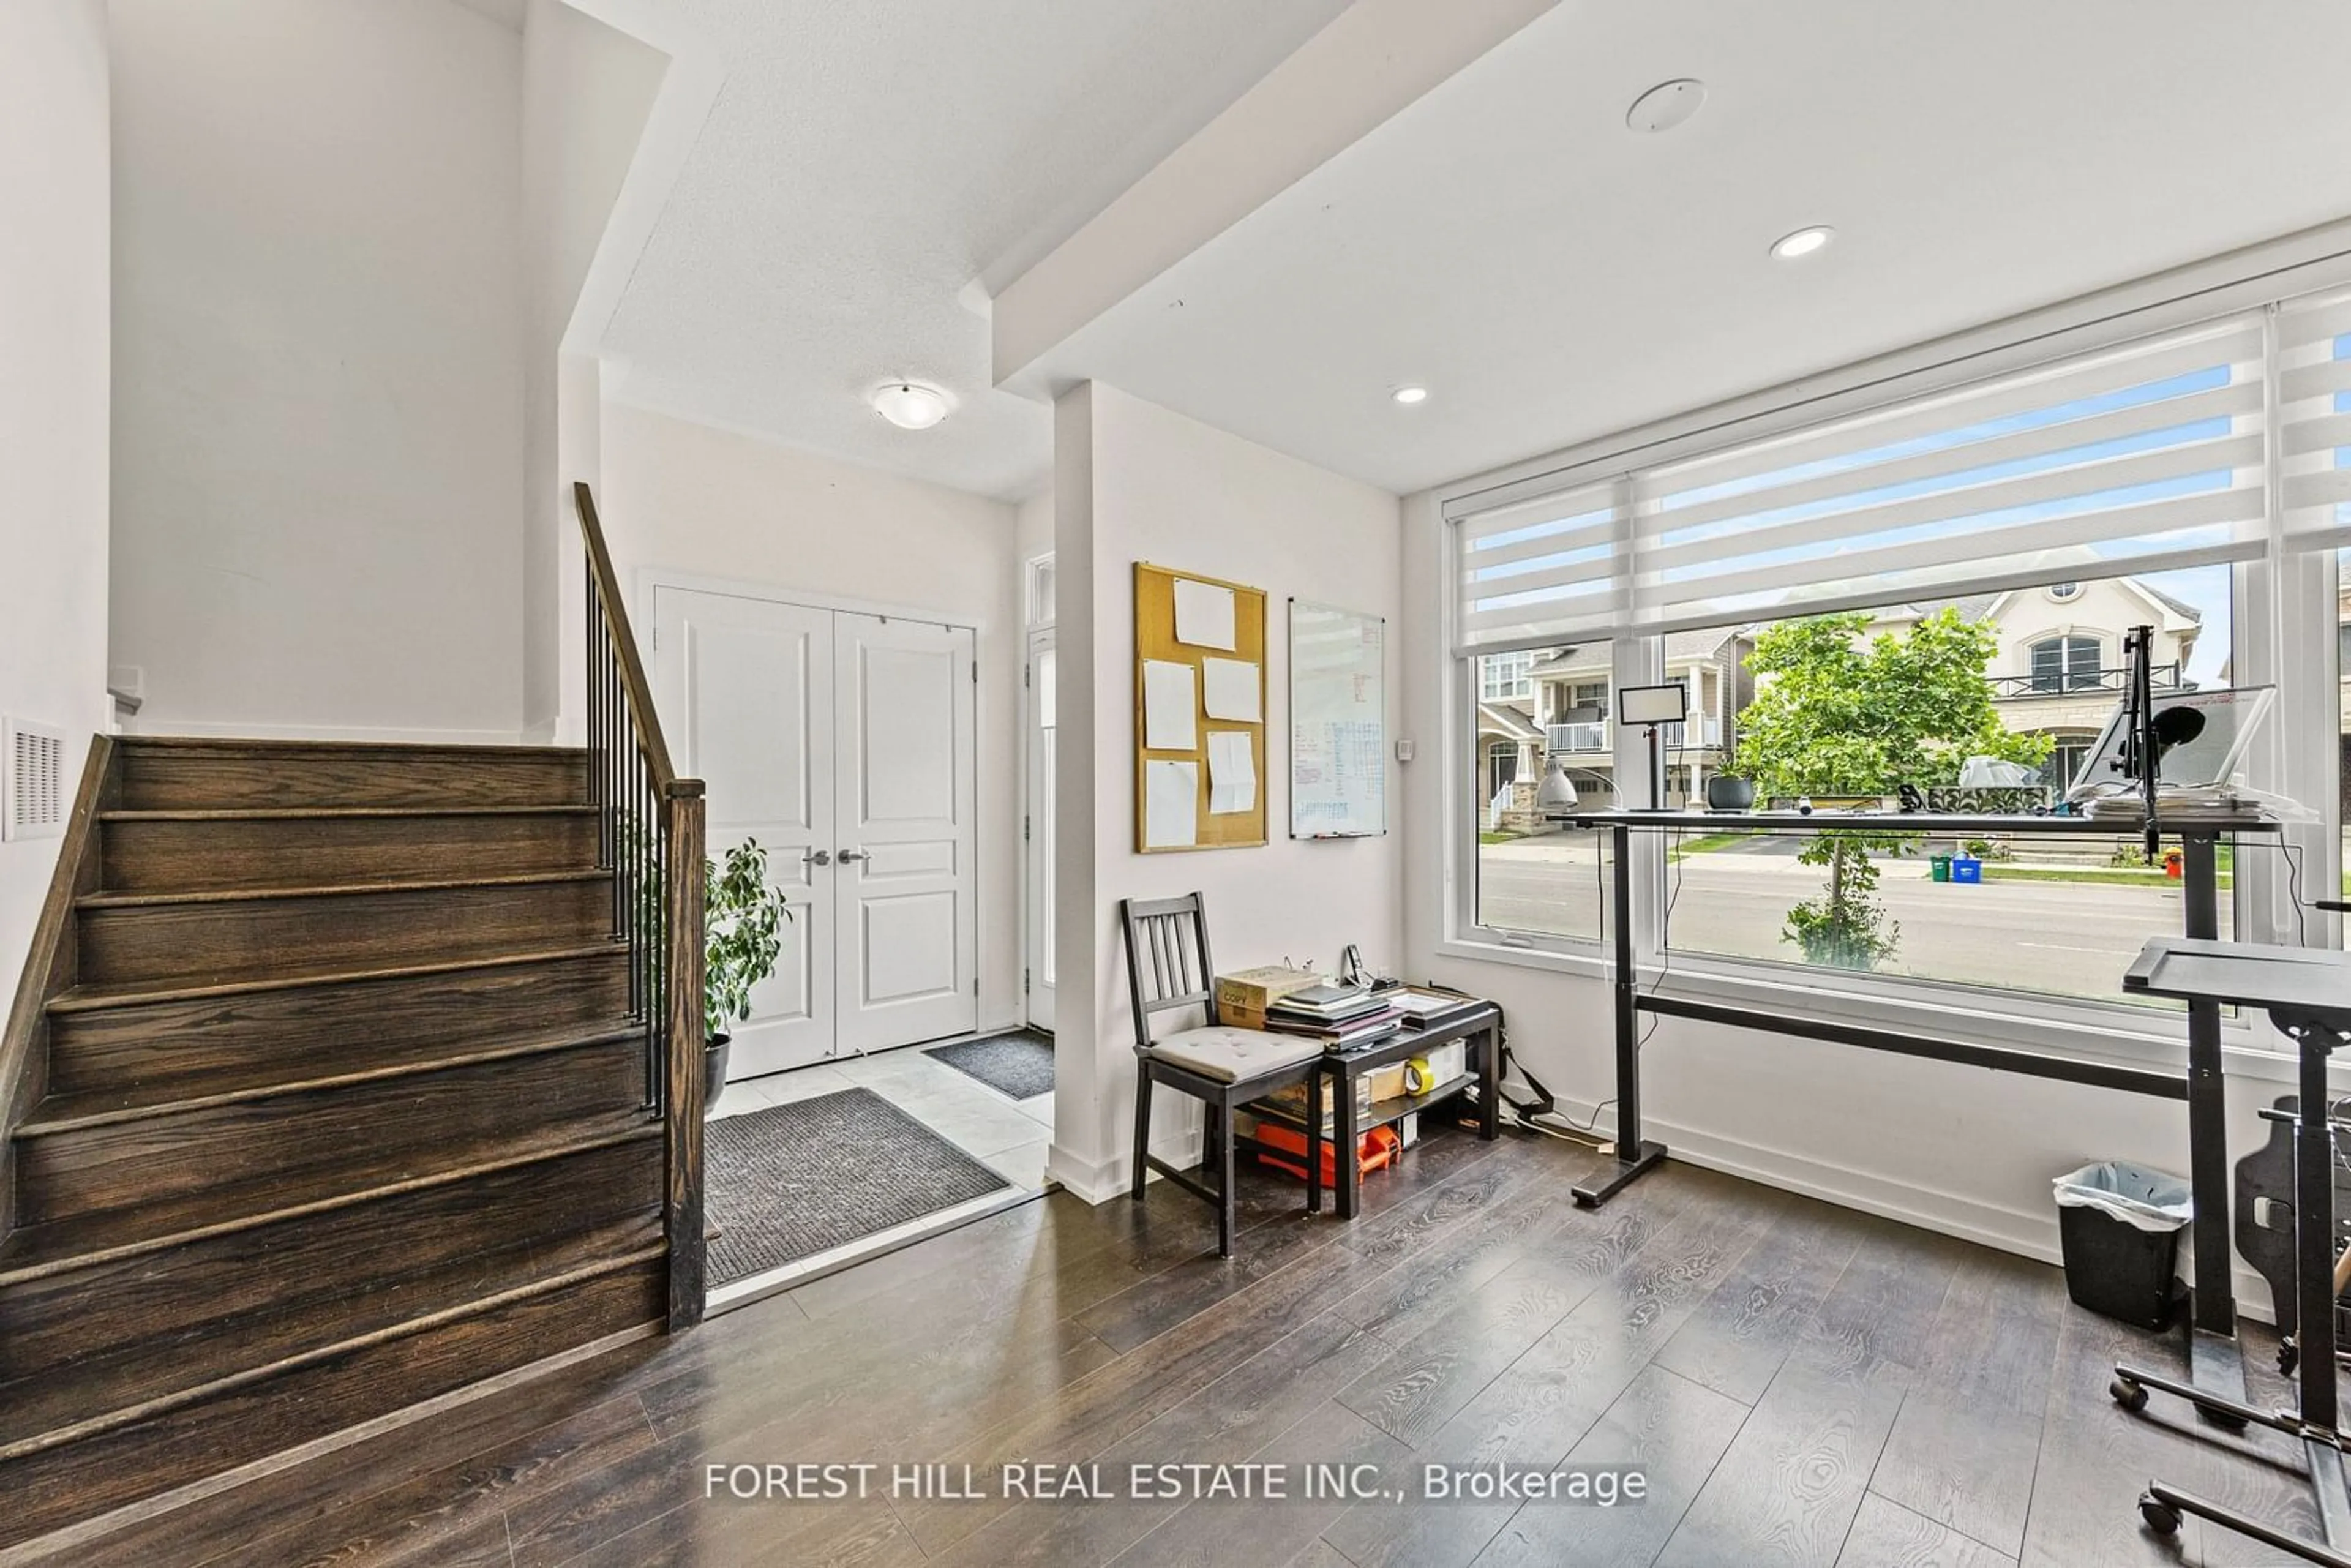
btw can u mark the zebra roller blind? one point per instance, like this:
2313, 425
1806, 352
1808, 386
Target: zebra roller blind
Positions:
2214, 444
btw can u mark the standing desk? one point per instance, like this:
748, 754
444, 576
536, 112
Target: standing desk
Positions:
2213, 1345
2307, 994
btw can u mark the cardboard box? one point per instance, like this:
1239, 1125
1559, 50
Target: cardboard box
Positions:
1254, 990
1387, 1082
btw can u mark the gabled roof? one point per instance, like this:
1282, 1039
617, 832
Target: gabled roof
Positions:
1507, 720
1681, 648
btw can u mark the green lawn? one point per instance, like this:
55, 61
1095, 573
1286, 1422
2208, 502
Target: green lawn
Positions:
1485, 838
2121, 875
1704, 843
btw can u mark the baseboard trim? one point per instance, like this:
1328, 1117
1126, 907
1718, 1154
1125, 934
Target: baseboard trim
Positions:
59, 1545
1097, 1182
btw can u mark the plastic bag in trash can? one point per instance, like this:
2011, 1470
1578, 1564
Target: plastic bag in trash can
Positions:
2150, 1201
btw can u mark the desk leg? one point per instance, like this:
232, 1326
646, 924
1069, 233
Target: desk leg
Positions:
1344, 1167
2314, 1240
1490, 1083
1634, 1158
2214, 1358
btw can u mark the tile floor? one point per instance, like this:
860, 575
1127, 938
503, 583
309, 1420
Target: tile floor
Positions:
1008, 1135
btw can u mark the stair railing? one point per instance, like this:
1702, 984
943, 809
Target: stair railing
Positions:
650, 836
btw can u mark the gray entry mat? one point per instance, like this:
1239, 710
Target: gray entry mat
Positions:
1018, 1065
795, 1180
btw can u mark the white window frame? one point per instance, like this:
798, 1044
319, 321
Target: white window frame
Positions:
2081, 1027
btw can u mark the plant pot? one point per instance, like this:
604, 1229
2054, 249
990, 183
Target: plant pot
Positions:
713, 1070
1727, 794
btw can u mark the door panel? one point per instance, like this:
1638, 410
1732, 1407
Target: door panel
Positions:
745, 688
1043, 725
905, 891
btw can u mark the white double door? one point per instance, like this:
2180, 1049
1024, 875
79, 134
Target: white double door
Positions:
843, 743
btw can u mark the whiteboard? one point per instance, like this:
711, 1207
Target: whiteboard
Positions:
1337, 722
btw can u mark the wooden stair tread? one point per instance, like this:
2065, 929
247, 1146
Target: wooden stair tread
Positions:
91, 999
37, 1251
82, 1398
339, 813
99, 1108
344, 890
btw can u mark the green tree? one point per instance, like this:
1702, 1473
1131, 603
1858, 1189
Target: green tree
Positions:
1838, 712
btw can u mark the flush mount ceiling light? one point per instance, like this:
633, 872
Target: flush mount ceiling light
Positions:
1803, 242
910, 405
1409, 395
1667, 105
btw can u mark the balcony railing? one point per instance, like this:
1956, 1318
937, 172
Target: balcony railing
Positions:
1558, 737
2073, 682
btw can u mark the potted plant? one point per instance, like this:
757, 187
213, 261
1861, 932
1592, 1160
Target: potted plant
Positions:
743, 922
1730, 789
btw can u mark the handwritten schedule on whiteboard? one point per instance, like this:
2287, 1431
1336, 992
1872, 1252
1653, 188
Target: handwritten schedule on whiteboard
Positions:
1337, 722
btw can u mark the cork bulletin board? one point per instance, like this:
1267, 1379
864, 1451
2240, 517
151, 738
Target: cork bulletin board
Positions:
1199, 712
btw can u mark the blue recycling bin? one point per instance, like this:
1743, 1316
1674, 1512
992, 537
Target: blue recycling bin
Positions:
1966, 869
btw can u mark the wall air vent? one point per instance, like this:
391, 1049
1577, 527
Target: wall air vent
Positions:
32, 780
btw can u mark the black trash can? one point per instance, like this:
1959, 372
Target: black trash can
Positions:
2119, 1225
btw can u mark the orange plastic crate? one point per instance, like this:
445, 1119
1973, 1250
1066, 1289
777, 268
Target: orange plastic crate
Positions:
1376, 1149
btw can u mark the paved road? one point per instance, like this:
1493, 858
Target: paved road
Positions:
2071, 938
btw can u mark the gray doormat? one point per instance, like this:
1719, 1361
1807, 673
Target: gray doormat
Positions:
1019, 1065
795, 1180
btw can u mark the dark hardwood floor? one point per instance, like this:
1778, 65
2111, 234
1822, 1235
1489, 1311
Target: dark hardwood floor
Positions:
1803, 1385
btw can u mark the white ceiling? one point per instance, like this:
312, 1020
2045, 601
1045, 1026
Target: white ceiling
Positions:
1552, 277
868, 168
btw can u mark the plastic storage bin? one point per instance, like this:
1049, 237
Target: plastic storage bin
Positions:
2119, 1225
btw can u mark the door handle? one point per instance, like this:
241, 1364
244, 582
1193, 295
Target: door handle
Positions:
848, 855
817, 857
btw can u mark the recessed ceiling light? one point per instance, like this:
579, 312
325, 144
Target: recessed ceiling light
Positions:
1803, 242
910, 405
1667, 105
1410, 395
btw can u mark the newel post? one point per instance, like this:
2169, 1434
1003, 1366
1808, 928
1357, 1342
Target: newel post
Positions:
682, 896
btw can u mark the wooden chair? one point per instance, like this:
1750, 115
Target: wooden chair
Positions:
1167, 967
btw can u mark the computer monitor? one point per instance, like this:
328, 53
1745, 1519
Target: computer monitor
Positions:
1668, 704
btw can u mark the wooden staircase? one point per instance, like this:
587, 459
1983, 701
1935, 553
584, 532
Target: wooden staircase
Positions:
332, 1094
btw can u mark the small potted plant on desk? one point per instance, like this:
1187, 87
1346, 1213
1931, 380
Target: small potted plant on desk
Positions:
1730, 789
743, 922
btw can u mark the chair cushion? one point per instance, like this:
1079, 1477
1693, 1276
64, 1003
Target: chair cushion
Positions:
1233, 1055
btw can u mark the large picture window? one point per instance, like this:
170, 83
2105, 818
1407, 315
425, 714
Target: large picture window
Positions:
1872, 602
1850, 707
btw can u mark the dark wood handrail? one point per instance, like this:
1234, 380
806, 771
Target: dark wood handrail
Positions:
49, 962
652, 830
646, 722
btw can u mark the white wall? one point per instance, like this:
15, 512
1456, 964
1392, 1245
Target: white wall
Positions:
53, 270
1135, 482
588, 90
317, 453
1960, 1150
688, 499
1033, 525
